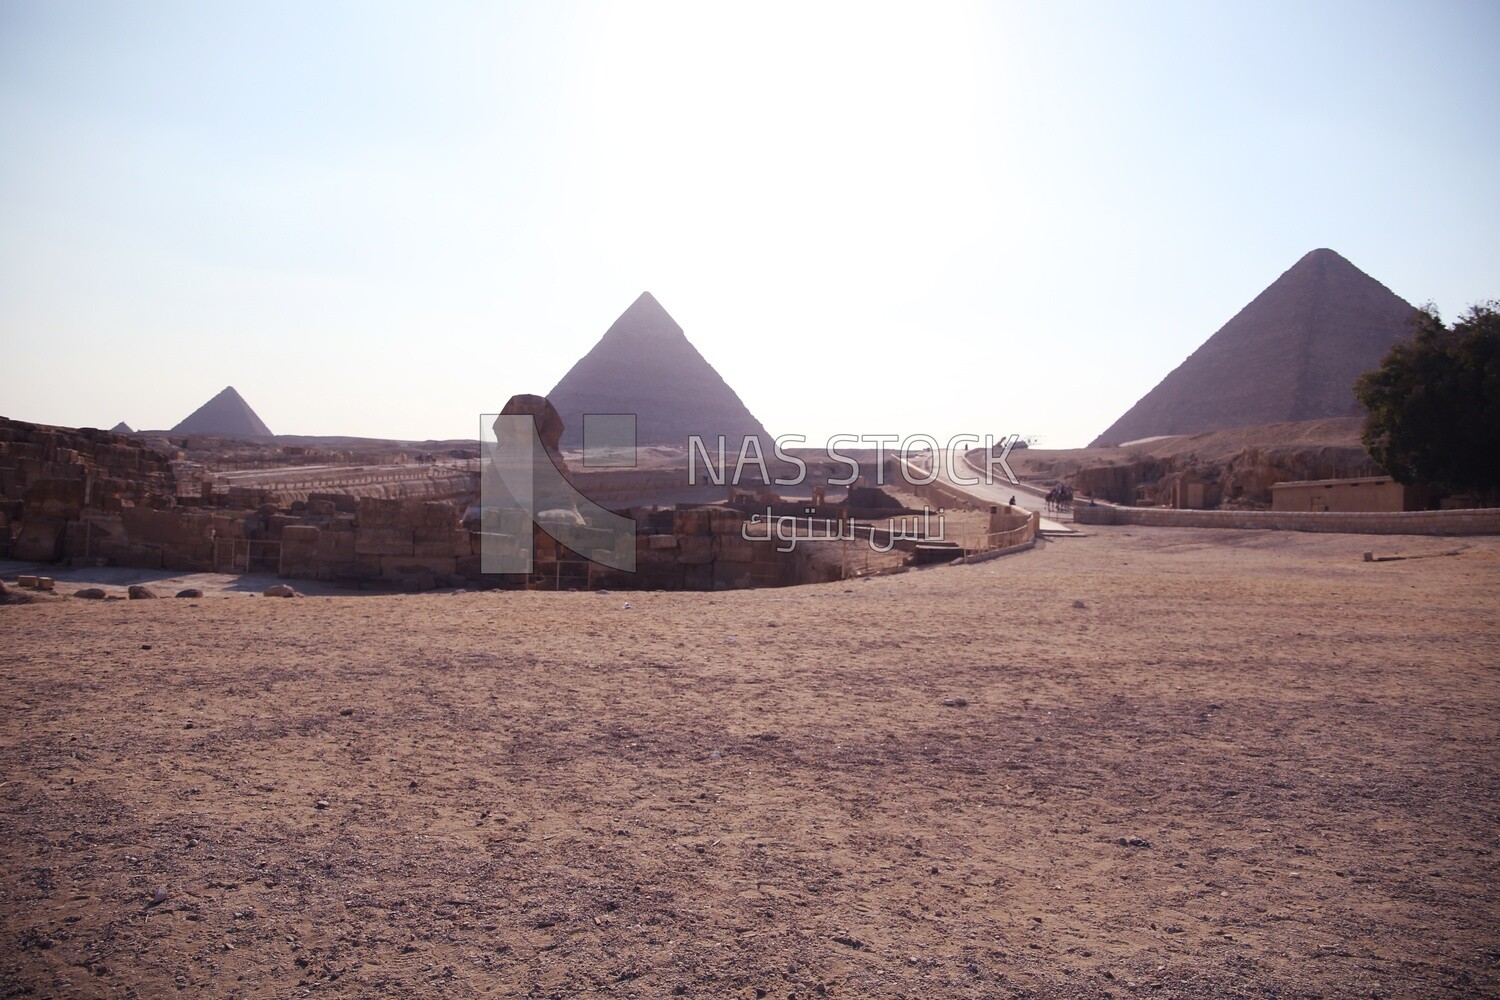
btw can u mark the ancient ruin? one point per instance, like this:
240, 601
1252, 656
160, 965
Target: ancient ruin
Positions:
411, 519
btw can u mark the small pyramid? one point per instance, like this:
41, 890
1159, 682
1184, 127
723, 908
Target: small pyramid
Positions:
122, 428
1292, 354
645, 365
226, 415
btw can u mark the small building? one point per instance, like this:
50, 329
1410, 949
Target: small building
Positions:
1380, 494
1194, 491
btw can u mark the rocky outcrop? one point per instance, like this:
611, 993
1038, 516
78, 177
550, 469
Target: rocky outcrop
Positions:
1245, 477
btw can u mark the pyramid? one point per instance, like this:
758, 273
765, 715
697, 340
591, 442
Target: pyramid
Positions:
1293, 353
645, 365
122, 428
226, 415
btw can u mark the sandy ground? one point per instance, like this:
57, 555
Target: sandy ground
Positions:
1184, 764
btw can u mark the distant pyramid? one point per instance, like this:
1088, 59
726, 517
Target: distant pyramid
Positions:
1293, 353
122, 428
226, 415
645, 365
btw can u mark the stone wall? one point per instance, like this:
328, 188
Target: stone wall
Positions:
706, 550
50, 475
1416, 522
402, 544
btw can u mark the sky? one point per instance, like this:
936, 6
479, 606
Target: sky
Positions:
384, 219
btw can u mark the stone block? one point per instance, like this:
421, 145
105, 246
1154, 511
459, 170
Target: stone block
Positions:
692, 521
723, 520
504, 521
582, 539
342, 502
456, 544
119, 552
378, 512
61, 498
733, 548
661, 541
700, 577
195, 554
500, 545
335, 546
732, 575
434, 517
40, 540
396, 567
300, 534
277, 523
383, 541
695, 550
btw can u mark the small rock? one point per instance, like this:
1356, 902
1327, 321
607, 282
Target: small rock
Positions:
1133, 842
190, 592
1079, 604
145, 645
140, 592
955, 703
157, 898
90, 594
346, 711
279, 590
321, 804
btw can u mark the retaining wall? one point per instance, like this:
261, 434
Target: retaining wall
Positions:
1412, 522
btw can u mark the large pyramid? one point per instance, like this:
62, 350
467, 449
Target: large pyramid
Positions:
1293, 353
645, 365
226, 415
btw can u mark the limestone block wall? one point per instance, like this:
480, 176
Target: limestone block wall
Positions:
49, 475
107, 466
706, 550
1416, 522
412, 545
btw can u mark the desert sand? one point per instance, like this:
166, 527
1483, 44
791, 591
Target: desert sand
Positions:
1175, 763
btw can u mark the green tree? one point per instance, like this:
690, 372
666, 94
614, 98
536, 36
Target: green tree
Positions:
1434, 403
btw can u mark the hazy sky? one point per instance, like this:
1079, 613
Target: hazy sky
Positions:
383, 219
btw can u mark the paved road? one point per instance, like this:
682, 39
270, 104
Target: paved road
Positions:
999, 491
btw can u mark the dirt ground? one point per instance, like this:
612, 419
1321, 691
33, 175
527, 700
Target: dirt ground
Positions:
1175, 763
